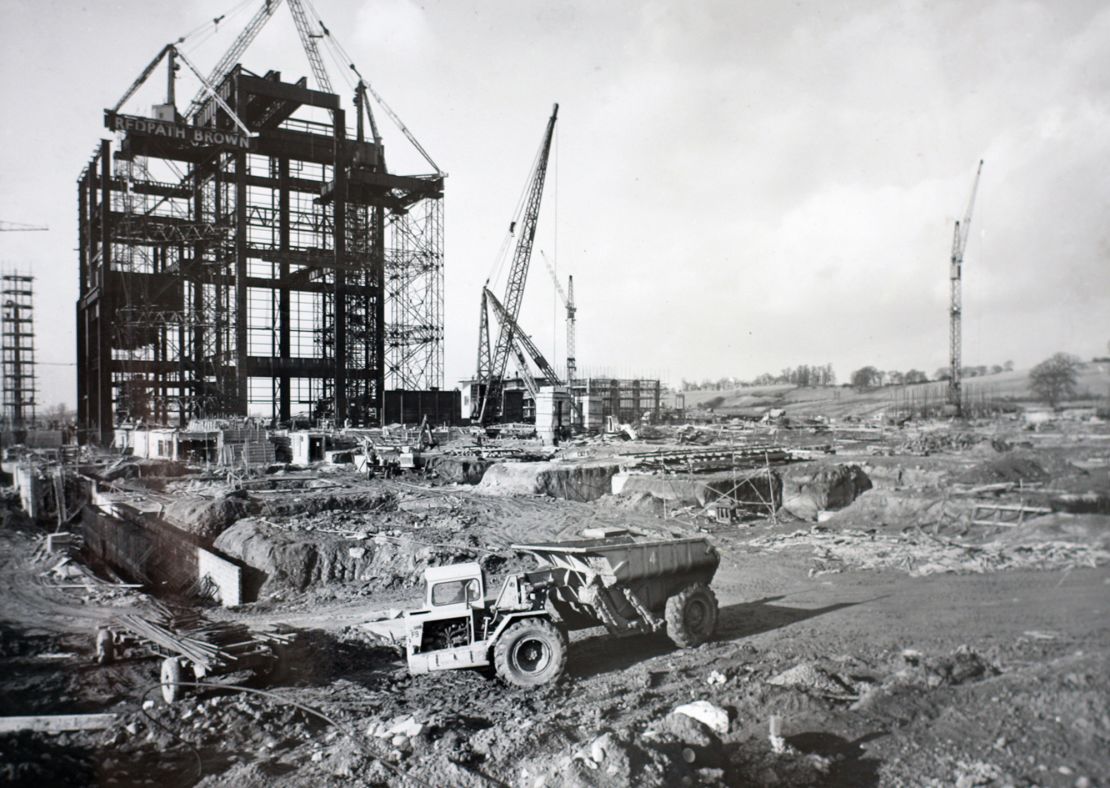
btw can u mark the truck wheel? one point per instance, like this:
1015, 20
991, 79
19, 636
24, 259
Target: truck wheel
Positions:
691, 616
530, 652
171, 679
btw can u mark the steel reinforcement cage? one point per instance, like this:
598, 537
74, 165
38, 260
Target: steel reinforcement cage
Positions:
282, 273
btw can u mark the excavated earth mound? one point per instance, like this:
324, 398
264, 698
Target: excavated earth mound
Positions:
901, 510
208, 517
298, 560
460, 470
749, 487
808, 490
585, 481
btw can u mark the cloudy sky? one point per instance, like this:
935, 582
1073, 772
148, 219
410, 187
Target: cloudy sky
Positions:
737, 187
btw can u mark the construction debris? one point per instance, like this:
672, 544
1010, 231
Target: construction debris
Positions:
919, 554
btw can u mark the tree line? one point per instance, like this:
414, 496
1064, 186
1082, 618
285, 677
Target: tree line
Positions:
804, 375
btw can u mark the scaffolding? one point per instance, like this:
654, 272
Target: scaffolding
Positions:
247, 273
414, 299
17, 351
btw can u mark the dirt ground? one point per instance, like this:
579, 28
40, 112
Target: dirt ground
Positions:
984, 660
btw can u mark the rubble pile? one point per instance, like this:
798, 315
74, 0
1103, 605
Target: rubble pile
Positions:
919, 554
934, 442
1005, 469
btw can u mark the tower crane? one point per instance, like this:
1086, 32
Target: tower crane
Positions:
955, 275
492, 361
568, 302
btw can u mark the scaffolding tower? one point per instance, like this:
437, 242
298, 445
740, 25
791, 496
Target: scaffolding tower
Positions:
17, 350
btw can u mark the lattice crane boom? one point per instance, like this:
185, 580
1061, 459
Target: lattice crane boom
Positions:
519, 337
308, 41
491, 380
955, 310
234, 52
522, 346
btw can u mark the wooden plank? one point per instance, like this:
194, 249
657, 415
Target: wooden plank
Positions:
57, 723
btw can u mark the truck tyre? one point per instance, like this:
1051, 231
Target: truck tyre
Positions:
691, 616
530, 652
171, 679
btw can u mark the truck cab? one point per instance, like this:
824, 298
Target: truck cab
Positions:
454, 588
447, 632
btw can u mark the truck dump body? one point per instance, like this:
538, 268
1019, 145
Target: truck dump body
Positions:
624, 560
620, 582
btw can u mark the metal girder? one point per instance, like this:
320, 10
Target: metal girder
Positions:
131, 228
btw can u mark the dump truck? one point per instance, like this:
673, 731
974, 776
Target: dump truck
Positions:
626, 585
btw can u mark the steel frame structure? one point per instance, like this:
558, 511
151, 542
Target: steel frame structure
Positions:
223, 274
17, 350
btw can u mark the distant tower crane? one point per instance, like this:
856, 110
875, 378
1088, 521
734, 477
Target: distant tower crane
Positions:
955, 275
20, 227
568, 302
492, 361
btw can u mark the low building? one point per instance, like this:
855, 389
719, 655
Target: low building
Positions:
627, 401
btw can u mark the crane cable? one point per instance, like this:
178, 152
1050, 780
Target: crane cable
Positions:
328, 36
502, 255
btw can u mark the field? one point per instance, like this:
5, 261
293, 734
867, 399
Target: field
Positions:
836, 402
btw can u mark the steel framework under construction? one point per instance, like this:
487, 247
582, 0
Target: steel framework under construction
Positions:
253, 256
17, 350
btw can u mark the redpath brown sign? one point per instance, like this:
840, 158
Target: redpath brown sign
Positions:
181, 132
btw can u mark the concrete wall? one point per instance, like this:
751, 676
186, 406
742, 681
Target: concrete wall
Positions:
32, 490
553, 412
225, 576
592, 418
147, 550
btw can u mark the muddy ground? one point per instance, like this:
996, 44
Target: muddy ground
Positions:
891, 644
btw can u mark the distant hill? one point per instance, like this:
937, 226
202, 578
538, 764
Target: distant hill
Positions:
840, 401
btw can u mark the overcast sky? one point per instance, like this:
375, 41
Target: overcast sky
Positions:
737, 187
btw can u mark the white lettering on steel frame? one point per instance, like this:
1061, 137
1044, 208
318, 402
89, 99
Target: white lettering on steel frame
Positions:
196, 135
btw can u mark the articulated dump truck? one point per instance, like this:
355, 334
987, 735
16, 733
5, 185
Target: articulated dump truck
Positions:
625, 585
